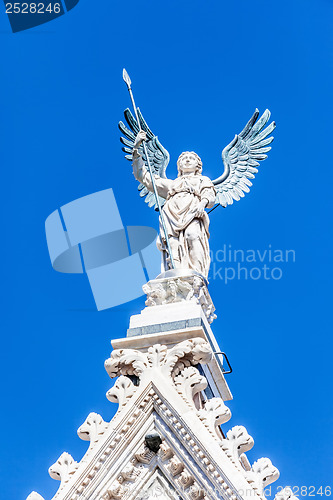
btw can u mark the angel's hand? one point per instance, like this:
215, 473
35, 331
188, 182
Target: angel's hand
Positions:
140, 138
201, 208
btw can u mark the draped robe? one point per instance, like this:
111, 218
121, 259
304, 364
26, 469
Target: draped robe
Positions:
188, 234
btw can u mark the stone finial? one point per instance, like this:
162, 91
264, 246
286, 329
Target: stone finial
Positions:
35, 496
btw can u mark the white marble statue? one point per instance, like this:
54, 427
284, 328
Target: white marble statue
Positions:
184, 222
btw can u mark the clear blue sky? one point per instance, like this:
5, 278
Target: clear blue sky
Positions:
199, 68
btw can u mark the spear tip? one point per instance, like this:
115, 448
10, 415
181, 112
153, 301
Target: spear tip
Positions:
126, 78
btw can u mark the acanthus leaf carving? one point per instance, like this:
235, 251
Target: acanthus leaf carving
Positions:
186, 353
171, 362
286, 494
35, 496
189, 383
262, 474
93, 428
214, 413
238, 441
122, 391
126, 362
63, 468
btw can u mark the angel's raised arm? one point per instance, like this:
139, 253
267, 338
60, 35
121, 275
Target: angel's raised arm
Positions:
158, 158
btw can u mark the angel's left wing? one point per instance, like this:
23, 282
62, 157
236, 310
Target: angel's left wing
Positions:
158, 155
241, 159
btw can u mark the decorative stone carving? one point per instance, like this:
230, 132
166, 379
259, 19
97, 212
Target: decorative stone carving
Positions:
175, 466
122, 391
169, 361
63, 468
262, 474
196, 492
180, 289
165, 451
285, 494
144, 455
114, 491
238, 441
214, 413
93, 428
35, 496
189, 383
186, 479
130, 473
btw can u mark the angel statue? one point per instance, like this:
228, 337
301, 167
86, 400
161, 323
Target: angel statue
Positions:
184, 222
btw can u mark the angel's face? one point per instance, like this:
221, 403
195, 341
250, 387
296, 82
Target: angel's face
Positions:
188, 163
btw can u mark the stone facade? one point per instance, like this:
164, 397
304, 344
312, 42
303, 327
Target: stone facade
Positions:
169, 385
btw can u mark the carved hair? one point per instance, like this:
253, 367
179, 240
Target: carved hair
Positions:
199, 162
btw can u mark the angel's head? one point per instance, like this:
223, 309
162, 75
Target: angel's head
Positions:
189, 162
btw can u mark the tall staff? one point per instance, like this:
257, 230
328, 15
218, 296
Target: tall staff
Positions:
128, 82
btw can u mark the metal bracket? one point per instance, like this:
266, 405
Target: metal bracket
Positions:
227, 360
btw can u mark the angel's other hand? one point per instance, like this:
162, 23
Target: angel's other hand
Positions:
201, 209
140, 138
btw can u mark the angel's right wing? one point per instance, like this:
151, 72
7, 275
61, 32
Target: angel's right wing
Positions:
158, 155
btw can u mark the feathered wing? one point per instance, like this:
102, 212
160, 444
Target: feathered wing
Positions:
241, 159
158, 155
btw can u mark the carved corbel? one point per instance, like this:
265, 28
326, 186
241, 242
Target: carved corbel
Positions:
63, 468
93, 428
262, 474
189, 383
122, 391
214, 413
